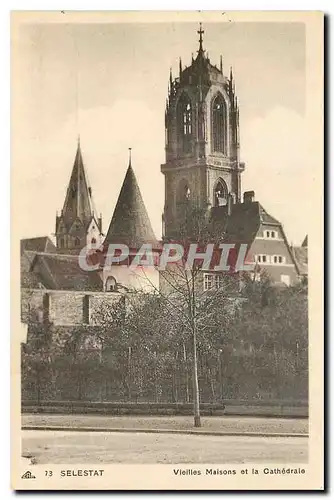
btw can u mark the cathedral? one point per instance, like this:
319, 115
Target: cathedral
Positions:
202, 173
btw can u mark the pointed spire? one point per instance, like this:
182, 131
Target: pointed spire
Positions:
180, 68
221, 63
130, 149
200, 32
170, 78
130, 223
78, 202
230, 83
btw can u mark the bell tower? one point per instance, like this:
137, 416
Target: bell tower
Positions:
202, 167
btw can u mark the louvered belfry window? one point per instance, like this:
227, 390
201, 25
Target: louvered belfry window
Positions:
185, 123
219, 128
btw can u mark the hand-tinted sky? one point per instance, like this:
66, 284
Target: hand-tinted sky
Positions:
108, 82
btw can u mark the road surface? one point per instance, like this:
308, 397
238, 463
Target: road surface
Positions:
108, 447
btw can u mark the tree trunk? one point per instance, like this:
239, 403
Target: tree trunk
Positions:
186, 372
197, 416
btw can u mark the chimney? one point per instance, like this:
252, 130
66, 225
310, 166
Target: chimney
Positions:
249, 196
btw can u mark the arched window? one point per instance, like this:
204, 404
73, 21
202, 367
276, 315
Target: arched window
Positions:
220, 193
219, 126
93, 241
184, 117
111, 284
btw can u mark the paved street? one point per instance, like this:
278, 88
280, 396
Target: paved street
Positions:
108, 447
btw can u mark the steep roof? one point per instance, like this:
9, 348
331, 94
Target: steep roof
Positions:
78, 202
63, 272
40, 244
300, 254
305, 242
243, 223
267, 218
130, 224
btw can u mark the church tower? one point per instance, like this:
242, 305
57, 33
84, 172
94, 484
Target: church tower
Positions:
202, 167
78, 225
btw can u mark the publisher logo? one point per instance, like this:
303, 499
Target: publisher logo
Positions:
28, 475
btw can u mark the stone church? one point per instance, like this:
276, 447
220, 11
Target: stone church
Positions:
202, 172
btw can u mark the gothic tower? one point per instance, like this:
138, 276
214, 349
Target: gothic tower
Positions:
78, 225
202, 167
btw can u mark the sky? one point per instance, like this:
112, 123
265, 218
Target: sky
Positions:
108, 83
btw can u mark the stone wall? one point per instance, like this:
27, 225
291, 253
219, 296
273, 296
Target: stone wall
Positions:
63, 307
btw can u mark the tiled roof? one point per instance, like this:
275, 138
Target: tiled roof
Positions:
243, 223
62, 272
130, 223
305, 242
241, 226
40, 244
267, 218
300, 254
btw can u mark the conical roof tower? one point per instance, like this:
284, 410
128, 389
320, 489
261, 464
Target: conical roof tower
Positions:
130, 223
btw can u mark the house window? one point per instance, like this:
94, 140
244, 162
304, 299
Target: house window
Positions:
77, 242
212, 281
93, 241
262, 258
111, 284
278, 259
61, 243
270, 234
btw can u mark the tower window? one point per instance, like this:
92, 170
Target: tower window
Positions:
93, 241
220, 194
185, 123
219, 129
183, 192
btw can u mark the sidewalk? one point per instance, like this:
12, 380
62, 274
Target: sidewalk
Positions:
226, 425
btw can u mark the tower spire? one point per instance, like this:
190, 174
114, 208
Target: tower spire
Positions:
130, 149
200, 32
